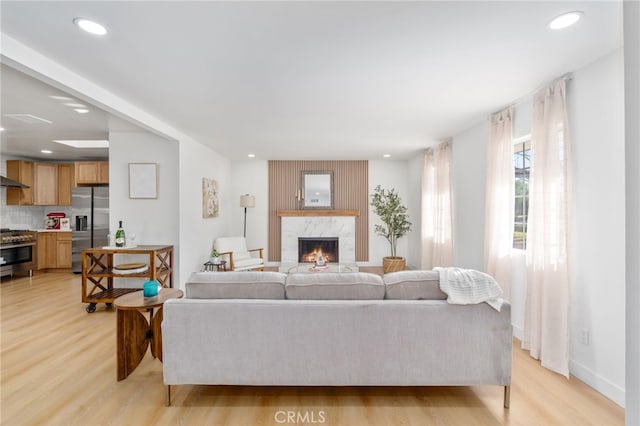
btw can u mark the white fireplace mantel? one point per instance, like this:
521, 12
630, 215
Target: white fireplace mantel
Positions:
321, 224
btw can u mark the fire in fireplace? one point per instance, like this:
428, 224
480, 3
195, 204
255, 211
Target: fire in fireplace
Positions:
312, 250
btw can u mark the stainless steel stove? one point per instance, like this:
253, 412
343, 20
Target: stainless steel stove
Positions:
17, 251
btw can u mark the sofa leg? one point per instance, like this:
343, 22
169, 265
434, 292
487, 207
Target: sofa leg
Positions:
168, 401
507, 396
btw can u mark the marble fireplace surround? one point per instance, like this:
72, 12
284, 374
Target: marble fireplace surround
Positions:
318, 223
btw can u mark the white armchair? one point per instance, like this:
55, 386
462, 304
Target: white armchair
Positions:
239, 258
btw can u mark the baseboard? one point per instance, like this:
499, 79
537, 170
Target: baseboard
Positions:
579, 371
599, 383
518, 333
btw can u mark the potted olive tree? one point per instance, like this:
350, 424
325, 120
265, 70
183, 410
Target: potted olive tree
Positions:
388, 206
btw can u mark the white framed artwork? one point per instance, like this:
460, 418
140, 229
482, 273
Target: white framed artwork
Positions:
210, 204
143, 180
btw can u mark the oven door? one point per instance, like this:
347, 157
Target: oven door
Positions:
17, 253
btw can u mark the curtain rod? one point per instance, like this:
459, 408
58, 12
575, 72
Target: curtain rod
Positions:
567, 77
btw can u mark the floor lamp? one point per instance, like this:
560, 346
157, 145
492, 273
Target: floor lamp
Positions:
247, 201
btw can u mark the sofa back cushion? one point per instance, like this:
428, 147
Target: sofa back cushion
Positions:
334, 286
413, 285
235, 285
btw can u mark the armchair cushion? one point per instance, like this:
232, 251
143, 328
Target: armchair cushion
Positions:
232, 244
234, 249
252, 262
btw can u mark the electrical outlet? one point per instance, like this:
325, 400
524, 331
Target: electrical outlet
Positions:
584, 337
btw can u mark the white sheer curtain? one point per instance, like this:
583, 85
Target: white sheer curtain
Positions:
546, 333
437, 231
499, 204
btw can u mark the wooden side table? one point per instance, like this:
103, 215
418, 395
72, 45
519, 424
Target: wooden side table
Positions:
98, 272
134, 332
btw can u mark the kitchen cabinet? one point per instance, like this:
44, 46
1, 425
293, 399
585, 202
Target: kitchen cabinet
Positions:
54, 250
21, 171
103, 172
65, 183
92, 172
50, 184
45, 184
63, 249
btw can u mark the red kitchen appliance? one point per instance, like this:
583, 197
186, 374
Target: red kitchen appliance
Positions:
53, 220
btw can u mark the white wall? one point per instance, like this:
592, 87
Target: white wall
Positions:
389, 174
414, 206
632, 126
197, 233
250, 177
176, 216
596, 120
468, 171
153, 221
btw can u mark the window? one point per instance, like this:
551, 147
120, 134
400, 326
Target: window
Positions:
522, 166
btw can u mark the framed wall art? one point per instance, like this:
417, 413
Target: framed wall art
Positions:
210, 203
143, 180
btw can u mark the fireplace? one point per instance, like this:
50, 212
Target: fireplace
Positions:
310, 249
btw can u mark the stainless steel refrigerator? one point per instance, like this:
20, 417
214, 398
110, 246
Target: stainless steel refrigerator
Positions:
89, 221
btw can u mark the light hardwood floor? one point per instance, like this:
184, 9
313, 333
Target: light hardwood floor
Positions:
59, 368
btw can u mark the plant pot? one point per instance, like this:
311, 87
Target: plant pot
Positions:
393, 264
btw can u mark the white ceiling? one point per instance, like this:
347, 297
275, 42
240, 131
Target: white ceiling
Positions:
21, 95
309, 80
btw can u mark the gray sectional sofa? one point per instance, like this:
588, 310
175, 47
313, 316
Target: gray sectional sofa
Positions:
331, 329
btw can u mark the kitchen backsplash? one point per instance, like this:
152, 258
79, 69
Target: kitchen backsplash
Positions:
25, 217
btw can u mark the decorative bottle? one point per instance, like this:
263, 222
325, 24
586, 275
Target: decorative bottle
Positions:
120, 236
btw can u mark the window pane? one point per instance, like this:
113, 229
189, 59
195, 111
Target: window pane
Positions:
522, 166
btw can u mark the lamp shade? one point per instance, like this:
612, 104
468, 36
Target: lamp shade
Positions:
247, 201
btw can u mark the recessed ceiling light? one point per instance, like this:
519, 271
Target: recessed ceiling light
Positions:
565, 20
90, 26
387, 155
84, 143
71, 104
81, 110
1, 129
46, 151
251, 155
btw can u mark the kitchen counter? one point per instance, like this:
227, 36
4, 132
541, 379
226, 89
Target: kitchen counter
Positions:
52, 230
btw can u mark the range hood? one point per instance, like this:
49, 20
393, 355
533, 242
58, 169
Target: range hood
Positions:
12, 183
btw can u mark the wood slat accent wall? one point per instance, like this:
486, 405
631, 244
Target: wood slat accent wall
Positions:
351, 186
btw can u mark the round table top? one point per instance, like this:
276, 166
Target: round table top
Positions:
136, 300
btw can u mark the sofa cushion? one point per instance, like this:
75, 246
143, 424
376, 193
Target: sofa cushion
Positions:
235, 285
413, 285
334, 286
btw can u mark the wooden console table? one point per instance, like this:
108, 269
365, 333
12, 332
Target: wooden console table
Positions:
98, 272
134, 332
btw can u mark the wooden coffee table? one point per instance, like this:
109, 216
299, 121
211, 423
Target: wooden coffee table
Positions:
134, 332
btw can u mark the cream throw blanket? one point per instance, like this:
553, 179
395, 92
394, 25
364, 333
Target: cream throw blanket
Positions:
468, 286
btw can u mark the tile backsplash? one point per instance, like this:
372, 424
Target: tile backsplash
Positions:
26, 217
20, 217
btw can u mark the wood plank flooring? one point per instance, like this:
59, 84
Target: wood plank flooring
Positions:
58, 367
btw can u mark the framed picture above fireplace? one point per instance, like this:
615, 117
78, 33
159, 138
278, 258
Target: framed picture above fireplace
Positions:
317, 190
